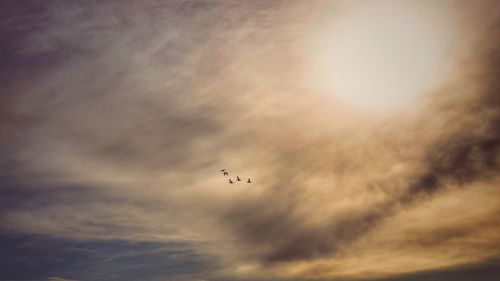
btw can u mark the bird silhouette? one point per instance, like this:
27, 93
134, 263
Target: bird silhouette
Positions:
238, 178
248, 181
230, 181
226, 174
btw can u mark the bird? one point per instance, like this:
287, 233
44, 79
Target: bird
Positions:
248, 181
238, 178
226, 174
223, 170
230, 181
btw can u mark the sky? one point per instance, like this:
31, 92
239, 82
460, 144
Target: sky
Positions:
370, 131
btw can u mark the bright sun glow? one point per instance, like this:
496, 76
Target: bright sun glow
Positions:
382, 55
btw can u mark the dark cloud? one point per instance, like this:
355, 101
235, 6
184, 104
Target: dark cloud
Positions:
36, 257
486, 271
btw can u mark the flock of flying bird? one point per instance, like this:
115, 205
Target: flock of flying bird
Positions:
223, 171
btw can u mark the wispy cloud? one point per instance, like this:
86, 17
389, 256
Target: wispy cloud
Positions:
117, 117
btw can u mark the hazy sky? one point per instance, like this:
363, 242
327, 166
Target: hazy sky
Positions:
370, 130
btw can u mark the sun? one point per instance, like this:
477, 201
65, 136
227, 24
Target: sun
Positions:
381, 55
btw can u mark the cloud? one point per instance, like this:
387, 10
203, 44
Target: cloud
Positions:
59, 279
116, 131
34, 257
